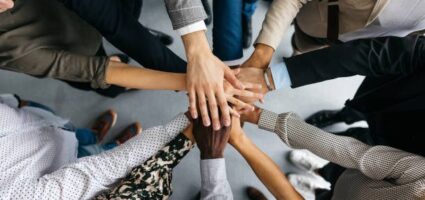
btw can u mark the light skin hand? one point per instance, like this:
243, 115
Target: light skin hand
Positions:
6, 5
205, 78
256, 76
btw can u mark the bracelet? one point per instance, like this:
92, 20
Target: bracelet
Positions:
266, 79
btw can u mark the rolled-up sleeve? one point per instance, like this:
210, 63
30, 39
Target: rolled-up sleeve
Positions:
63, 65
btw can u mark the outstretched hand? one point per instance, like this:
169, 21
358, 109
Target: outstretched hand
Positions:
210, 142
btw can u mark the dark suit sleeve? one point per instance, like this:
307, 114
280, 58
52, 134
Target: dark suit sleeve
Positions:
379, 57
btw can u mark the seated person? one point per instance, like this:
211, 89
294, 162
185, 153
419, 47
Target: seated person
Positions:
60, 45
394, 68
39, 156
371, 172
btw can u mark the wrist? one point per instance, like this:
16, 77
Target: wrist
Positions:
206, 155
263, 54
196, 43
240, 143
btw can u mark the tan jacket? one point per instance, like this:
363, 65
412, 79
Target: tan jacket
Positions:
312, 15
44, 39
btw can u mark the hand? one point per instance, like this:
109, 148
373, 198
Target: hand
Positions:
6, 5
246, 93
252, 117
205, 77
210, 142
255, 76
260, 58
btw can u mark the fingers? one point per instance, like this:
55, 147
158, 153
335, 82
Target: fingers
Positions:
192, 103
221, 97
231, 78
202, 102
236, 71
246, 93
234, 112
240, 105
249, 85
213, 110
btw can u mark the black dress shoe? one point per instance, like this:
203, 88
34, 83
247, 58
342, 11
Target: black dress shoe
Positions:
324, 118
164, 38
207, 9
255, 194
246, 31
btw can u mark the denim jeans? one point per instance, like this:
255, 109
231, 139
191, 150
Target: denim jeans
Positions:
227, 27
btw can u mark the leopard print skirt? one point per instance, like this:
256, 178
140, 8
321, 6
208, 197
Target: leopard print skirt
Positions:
152, 179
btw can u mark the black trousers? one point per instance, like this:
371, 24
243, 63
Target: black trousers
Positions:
117, 21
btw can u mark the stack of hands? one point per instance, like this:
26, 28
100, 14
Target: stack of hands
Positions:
211, 84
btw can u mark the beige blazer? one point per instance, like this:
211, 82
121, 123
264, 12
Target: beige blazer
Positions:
312, 15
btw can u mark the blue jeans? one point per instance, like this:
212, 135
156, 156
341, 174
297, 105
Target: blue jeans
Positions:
227, 27
87, 137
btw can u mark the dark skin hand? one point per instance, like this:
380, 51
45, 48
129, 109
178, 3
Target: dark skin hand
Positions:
210, 142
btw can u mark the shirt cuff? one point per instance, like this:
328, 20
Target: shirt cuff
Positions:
268, 120
197, 26
280, 75
213, 170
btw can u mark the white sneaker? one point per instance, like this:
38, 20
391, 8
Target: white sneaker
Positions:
306, 184
306, 160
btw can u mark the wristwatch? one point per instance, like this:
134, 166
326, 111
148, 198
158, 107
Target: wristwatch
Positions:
268, 77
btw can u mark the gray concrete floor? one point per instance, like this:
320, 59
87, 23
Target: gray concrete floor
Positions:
157, 107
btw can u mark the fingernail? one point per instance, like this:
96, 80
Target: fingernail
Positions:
194, 115
227, 122
217, 127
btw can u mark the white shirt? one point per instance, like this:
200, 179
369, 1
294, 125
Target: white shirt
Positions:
38, 158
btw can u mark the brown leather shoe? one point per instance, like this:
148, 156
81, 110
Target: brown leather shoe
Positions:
104, 123
255, 194
129, 132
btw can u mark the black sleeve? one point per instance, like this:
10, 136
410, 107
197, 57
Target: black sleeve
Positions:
378, 57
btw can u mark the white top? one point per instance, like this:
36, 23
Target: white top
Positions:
38, 159
398, 18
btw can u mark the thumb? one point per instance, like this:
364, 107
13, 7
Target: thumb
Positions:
229, 75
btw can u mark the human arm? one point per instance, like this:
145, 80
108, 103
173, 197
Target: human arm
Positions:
90, 175
378, 57
264, 167
376, 162
143, 181
212, 143
205, 76
278, 19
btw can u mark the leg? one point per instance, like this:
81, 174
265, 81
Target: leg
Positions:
326, 118
128, 133
85, 136
227, 29
120, 27
248, 10
331, 173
